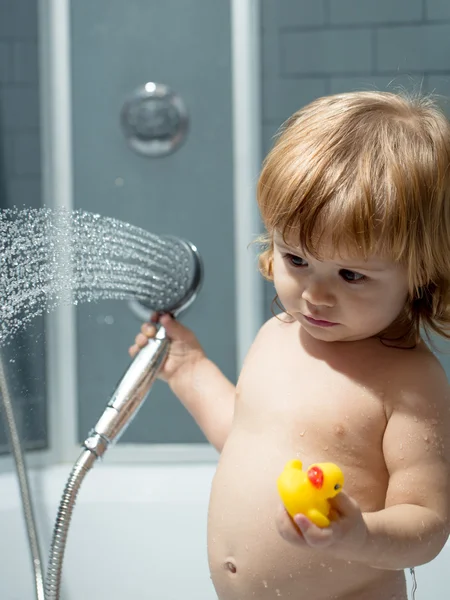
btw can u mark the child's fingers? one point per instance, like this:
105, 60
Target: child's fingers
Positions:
133, 350
147, 330
141, 340
316, 537
287, 528
175, 330
344, 505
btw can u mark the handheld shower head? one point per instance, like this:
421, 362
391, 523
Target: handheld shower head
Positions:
177, 274
176, 281
177, 278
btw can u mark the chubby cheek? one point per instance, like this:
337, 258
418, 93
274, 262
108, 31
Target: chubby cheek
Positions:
378, 312
286, 286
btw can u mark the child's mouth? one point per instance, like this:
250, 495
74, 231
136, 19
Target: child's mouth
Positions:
319, 322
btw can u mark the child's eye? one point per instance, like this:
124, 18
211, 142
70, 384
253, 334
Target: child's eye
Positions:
351, 276
295, 261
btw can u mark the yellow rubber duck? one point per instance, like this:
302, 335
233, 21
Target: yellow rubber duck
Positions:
307, 492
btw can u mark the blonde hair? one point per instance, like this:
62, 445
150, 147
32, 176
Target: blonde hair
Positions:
371, 170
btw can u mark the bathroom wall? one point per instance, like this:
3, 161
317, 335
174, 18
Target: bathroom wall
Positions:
329, 46
116, 47
19, 98
20, 183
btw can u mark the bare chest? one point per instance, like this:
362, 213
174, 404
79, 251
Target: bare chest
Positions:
310, 409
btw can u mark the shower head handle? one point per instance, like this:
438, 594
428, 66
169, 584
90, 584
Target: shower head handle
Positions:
130, 393
175, 295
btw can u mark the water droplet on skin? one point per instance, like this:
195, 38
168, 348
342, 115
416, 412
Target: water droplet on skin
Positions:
302, 433
265, 584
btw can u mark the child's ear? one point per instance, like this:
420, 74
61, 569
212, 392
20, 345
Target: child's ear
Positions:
270, 266
265, 264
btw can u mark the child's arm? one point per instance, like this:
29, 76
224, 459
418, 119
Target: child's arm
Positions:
209, 396
198, 383
414, 525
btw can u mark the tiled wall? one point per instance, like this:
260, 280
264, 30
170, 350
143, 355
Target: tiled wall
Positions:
315, 47
20, 185
19, 104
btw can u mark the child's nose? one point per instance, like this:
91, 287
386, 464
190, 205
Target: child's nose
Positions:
318, 292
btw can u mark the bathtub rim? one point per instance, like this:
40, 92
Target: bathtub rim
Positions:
139, 454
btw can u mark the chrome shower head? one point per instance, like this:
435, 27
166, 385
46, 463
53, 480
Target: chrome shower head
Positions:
176, 281
177, 274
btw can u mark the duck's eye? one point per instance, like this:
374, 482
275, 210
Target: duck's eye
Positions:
337, 486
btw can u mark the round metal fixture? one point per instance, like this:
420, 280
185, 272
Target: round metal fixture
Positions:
154, 120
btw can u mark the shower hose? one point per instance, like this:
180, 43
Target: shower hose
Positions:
123, 406
19, 460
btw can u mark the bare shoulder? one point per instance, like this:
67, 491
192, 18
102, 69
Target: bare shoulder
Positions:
417, 381
270, 338
277, 324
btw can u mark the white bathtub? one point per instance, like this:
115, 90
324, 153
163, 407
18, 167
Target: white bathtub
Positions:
137, 532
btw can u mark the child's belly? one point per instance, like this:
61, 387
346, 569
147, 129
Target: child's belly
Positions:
248, 557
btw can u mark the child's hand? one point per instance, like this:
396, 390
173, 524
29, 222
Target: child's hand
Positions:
347, 528
185, 349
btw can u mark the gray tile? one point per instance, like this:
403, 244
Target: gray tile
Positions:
18, 18
282, 97
381, 83
344, 12
439, 85
297, 13
269, 14
326, 51
24, 191
5, 62
25, 62
25, 18
300, 13
270, 53
6, 19
415, 48
27, 153
19, 107
6, 154
269, 132
437, 9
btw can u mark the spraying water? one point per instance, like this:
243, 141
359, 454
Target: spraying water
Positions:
49, 257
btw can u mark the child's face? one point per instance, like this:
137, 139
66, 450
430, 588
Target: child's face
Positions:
339, 298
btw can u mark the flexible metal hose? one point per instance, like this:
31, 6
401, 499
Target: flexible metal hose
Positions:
61, 529
27, 507
126, 401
